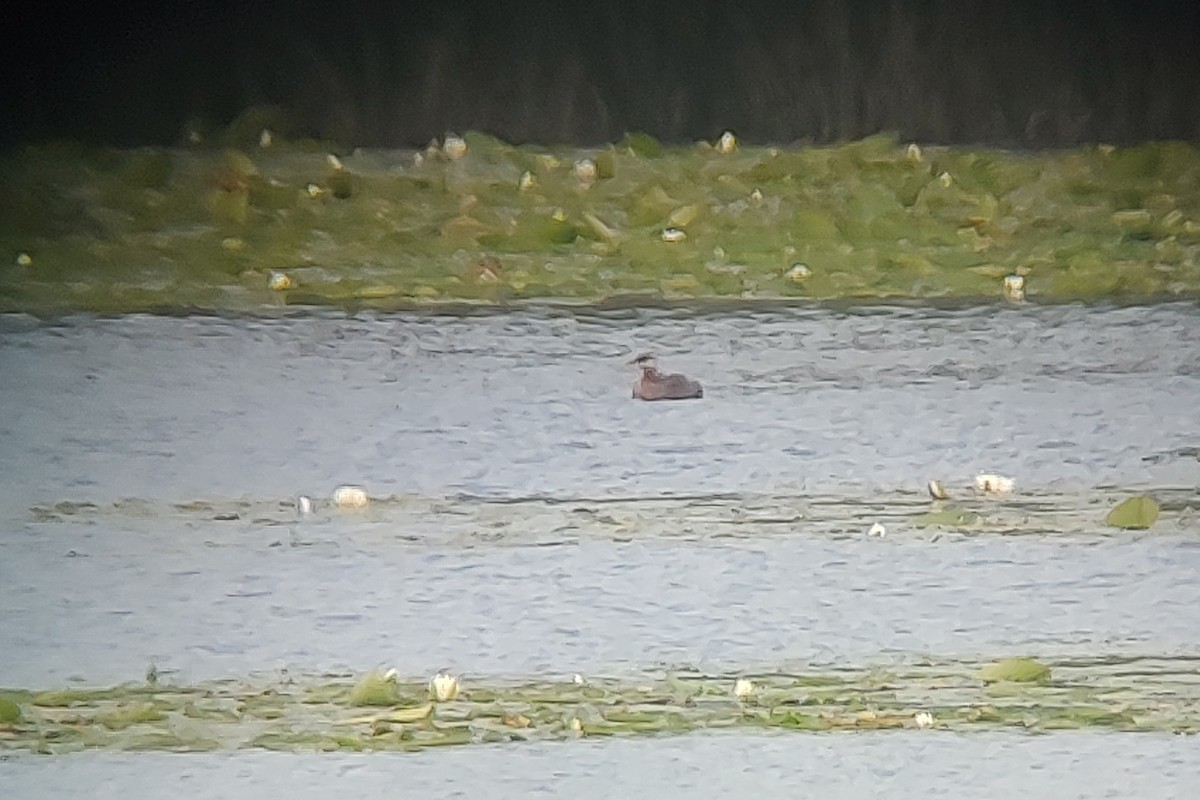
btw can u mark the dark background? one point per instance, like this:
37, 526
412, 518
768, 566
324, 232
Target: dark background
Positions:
392, 74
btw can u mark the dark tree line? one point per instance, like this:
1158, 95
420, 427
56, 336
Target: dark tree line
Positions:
397, 73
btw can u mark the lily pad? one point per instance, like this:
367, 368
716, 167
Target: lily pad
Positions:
375, 689
9, 711
398, 716
641, 144
947, 518
606, 164
125, 717
1015, 670
1136, 513
798, 720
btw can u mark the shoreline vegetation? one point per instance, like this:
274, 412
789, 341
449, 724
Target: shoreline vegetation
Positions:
246, 221
378, 711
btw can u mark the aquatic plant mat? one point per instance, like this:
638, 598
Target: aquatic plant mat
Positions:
465, 520
240, 226
329, 713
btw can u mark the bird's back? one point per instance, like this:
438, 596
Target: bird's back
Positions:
656, 386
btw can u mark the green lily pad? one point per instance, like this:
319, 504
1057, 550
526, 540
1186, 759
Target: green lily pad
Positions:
128, 716
1136, 513
641, 144
376, 689
798, 720
1016, 670
341, 184
65, 698
9, 711
606, 164
947, 518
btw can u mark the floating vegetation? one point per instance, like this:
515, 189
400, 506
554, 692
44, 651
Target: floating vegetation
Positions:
376, 689
215, 226
10, 712
513, 521
1016, 670
1136, 513
1146, 694
950, 517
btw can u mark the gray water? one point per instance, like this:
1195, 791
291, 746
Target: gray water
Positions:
801, 401
213, 608
448, 417
920, 764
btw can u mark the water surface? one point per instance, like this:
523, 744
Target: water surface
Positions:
525, 404
849, 407
915, 764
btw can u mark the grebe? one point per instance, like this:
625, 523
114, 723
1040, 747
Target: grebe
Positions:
654, 385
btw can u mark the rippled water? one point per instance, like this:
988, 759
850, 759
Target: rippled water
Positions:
919, 764
214, 607
814, 422
521, 404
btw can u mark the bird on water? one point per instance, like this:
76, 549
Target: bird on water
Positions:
654, 385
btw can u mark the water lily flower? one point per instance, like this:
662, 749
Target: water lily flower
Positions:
314, 191
1014, 288
937, 491
304, 505
945, 179
334, 162
24, 259
743, 688
913, 153
527, 181
877, 530
444, 687
993, 484
673, 235
578, 679
454, 146
350, 497
487, 270
265, 138
727, 143
923, 719
585, 171
798, 272
280, 281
